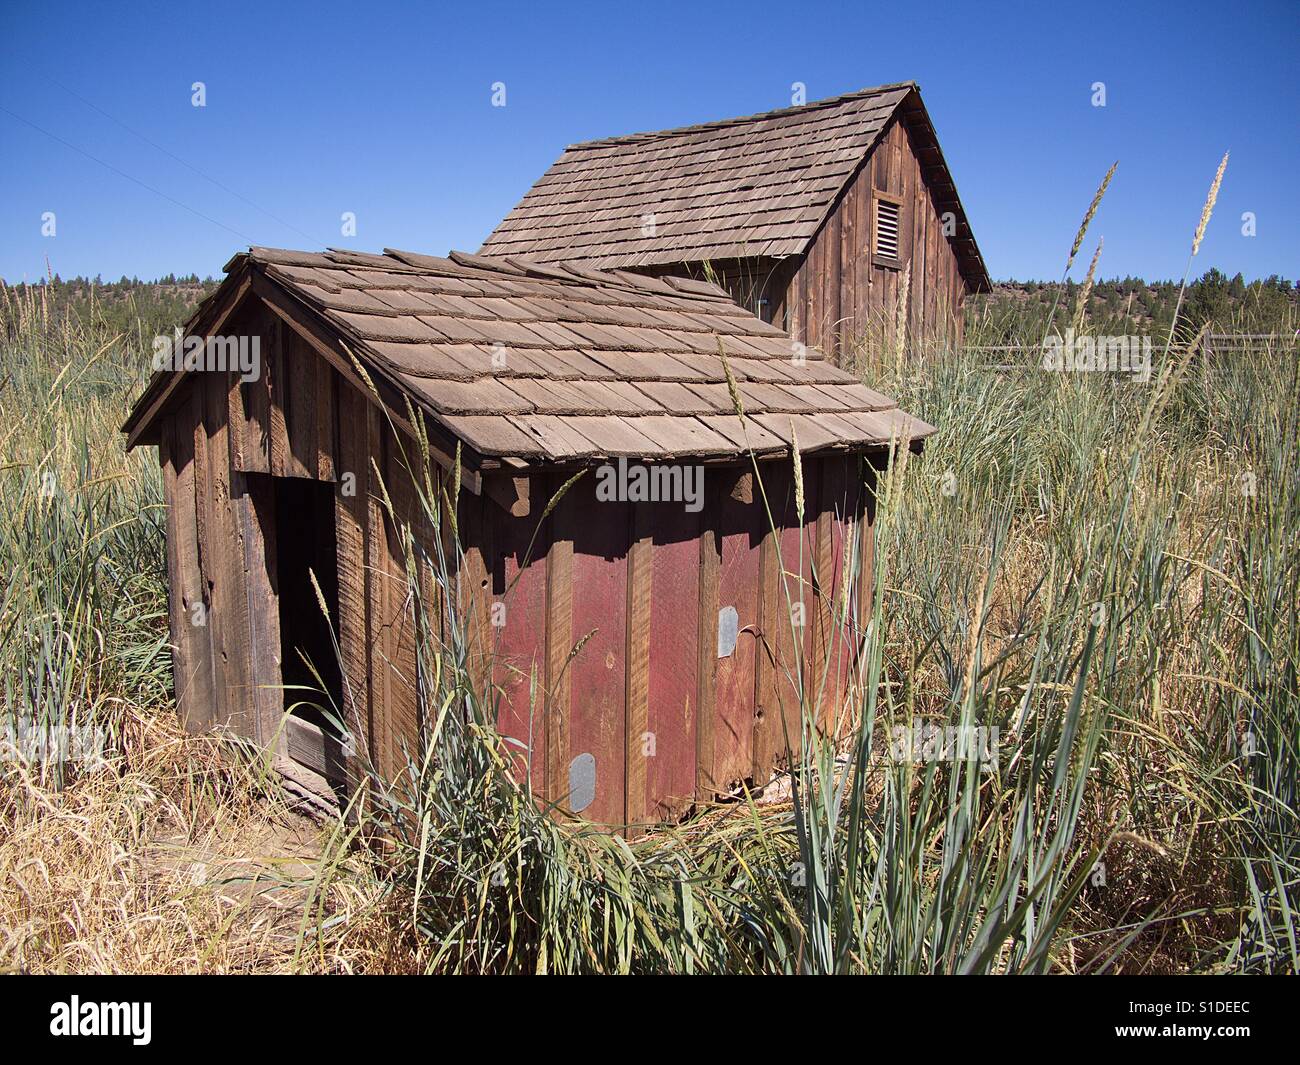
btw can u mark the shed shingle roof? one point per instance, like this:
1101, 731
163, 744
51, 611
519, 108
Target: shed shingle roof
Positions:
549, 363
756, 186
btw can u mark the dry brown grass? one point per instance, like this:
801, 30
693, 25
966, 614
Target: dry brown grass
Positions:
175, 858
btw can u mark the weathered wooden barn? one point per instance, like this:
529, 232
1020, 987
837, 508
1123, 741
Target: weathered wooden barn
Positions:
640, 652
808, 216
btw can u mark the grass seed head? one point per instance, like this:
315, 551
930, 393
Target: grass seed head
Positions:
1081, 307
1087, 218
797, 461
732, 390
1208, 209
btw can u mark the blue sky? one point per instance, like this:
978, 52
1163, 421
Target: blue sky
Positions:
385, 111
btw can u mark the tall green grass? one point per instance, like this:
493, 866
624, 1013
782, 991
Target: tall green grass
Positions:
83, 616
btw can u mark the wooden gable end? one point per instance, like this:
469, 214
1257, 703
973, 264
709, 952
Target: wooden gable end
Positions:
843, 297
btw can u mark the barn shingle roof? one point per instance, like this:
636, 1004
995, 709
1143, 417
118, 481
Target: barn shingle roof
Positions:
552, 363
756, 186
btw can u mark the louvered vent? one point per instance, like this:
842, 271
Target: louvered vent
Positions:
887, 229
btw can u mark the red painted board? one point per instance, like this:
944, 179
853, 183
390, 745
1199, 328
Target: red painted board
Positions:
601, 537
790, 631
840, 637
674, 621
741, 525
517, 615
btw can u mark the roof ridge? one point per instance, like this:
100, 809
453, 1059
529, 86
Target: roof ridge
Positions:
722, 123
472, 265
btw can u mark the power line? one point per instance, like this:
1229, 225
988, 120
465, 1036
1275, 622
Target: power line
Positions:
188, 165
134, 180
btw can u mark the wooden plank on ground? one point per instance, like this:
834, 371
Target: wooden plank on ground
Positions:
307, 744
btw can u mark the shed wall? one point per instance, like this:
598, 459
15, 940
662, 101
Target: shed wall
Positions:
598, 621
637, 590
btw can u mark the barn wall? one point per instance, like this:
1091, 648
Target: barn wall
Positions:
835, 297
181, 437
839, 299
787, 607
517, 621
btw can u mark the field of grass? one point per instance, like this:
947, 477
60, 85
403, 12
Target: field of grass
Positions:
1104, 569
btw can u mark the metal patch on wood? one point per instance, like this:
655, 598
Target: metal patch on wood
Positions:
728, 631
582, 782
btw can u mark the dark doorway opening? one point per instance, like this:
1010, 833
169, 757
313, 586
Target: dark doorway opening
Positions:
305, 545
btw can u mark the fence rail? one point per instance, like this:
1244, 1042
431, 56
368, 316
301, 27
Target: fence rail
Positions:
1212, 346
1212, 342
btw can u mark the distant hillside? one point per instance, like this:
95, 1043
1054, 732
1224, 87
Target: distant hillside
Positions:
129, 306
1012, 312
1015, 310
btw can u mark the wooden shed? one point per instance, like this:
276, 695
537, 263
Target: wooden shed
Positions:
808, 216
529, 372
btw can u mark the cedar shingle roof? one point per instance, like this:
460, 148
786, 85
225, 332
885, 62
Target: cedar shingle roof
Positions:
746, 187
549, 363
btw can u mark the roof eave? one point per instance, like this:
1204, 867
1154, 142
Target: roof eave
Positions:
141, 422
971, 262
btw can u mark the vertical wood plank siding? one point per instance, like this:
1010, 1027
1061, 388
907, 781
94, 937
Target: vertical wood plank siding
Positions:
351, 527
739, 579
597, 706
518, 620
674, 708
